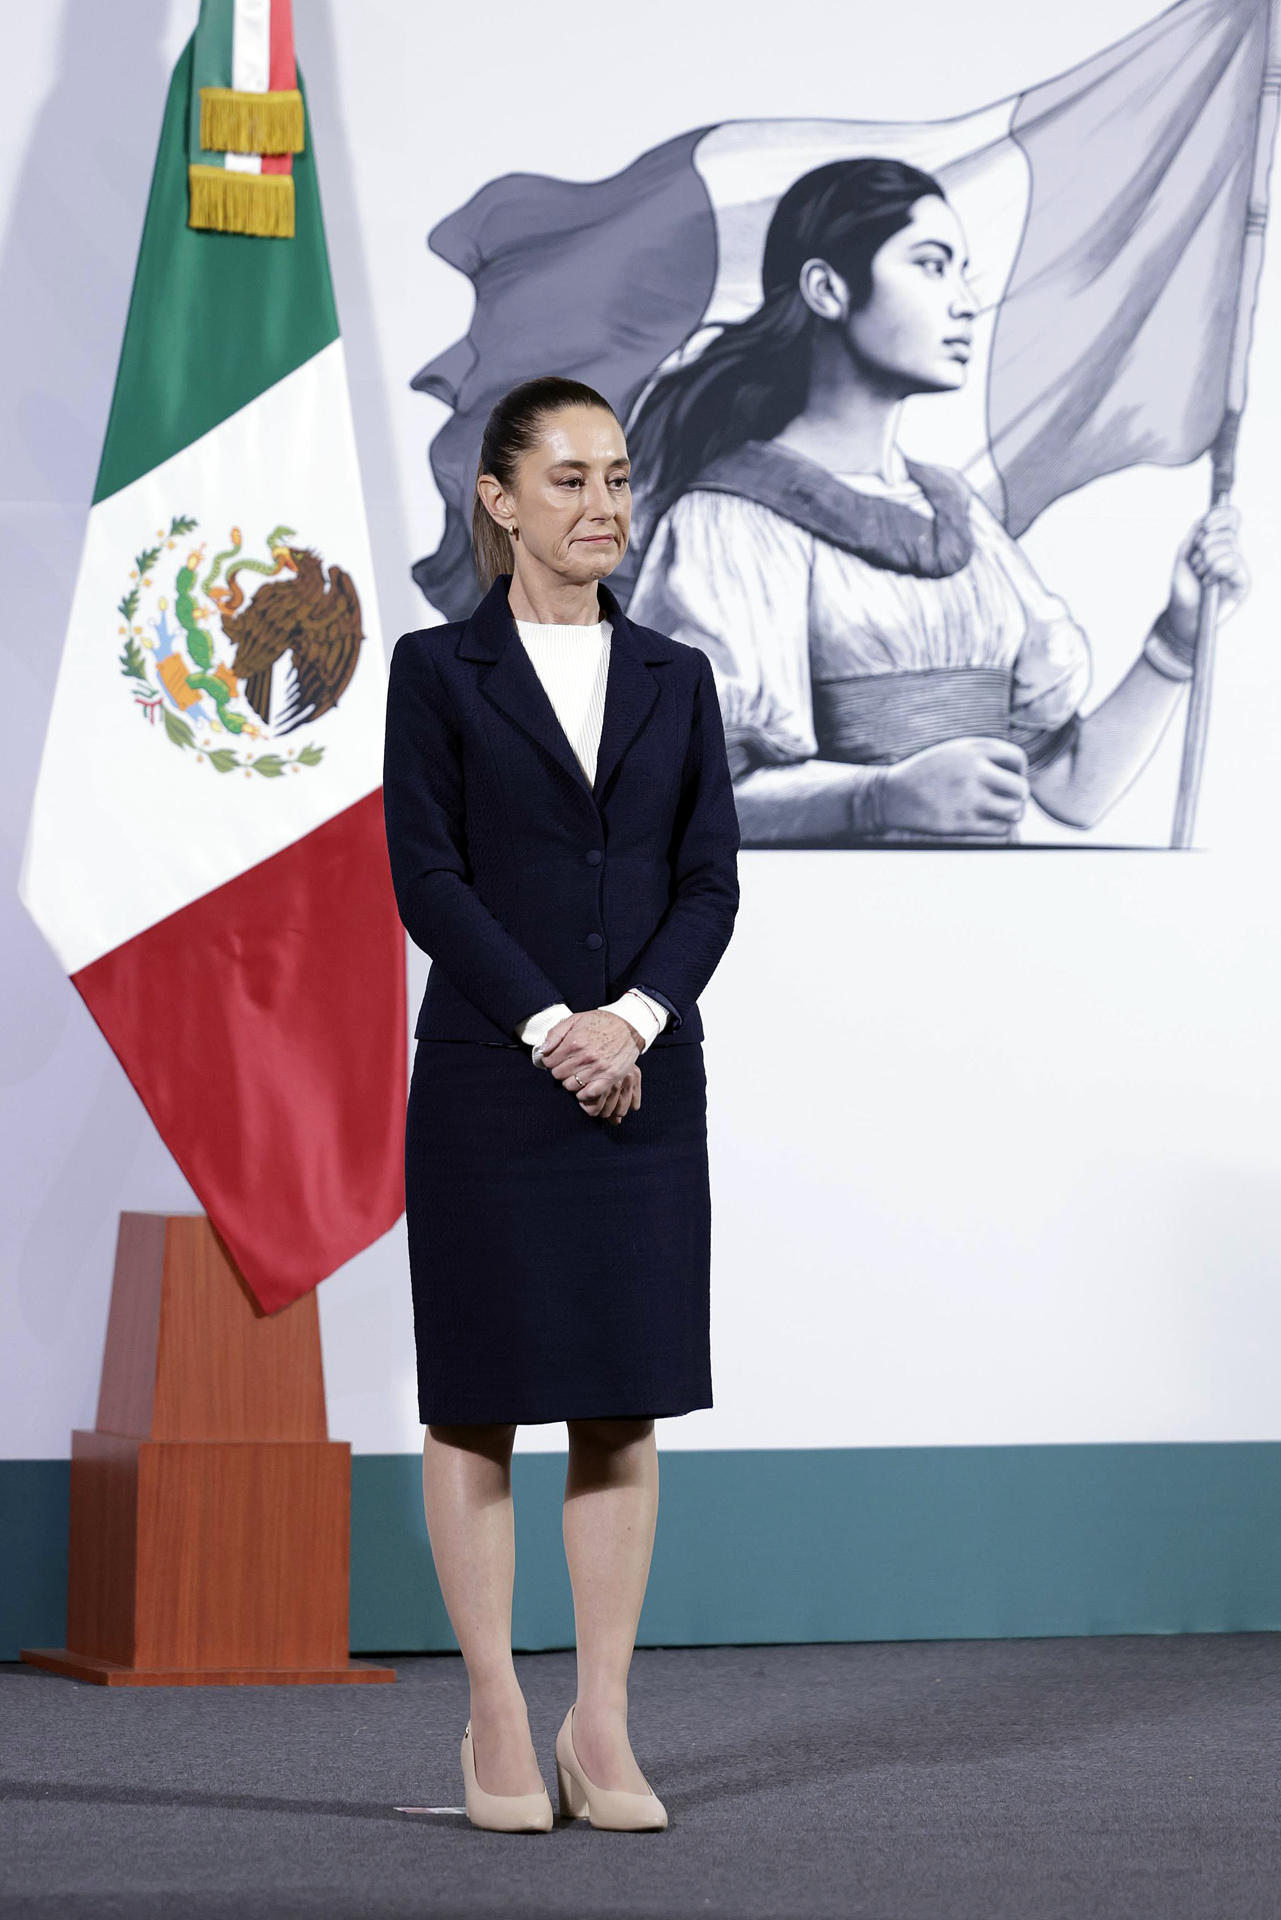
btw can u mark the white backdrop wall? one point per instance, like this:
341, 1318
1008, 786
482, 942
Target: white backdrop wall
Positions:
994, 1137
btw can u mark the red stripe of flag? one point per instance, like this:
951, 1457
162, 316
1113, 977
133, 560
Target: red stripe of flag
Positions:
263, 1028
281, 72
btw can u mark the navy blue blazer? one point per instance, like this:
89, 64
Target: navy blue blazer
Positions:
526, 885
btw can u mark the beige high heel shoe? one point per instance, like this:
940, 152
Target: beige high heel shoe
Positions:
503, 1812
603, 1806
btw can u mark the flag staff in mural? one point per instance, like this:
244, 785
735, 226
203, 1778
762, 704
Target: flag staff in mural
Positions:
867, 357
1224, 451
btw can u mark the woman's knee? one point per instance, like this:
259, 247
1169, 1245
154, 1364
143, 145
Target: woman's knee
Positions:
609, 1436
494, 1439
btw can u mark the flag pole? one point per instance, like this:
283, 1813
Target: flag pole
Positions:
1223, 451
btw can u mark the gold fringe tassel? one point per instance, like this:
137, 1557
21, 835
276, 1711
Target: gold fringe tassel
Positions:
230, 202
232, 122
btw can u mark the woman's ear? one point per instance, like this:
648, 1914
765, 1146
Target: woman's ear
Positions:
823, 290
496, 502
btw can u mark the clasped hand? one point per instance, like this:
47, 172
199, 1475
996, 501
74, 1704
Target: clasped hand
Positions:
594, 1055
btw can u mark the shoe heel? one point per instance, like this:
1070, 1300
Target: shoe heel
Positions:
573, 1801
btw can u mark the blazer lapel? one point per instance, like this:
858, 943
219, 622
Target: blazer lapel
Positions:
513, 685
631, 690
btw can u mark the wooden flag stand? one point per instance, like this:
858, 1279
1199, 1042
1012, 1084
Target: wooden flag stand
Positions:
210, 1511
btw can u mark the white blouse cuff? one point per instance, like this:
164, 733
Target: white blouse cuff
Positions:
536, 1029
639, 1011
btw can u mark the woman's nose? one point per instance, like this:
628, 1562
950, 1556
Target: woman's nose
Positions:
964, 303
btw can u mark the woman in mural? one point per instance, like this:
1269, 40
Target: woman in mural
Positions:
890, 668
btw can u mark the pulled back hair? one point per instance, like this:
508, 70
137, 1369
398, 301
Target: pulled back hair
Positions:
513, 428
753, 377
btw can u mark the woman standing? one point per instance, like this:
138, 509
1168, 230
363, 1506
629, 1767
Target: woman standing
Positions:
890, 668
563, 840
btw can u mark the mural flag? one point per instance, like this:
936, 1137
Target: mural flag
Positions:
1108, 291
206, 852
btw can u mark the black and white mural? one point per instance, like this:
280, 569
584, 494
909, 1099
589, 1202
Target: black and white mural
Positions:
856, 361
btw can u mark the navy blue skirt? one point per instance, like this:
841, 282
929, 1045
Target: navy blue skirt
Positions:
560, 1265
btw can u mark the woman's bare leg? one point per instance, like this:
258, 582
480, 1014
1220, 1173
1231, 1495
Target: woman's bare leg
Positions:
611, 1509
467, 1497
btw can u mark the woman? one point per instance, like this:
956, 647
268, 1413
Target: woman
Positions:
890, 669
563, 841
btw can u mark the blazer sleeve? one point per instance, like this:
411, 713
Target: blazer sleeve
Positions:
681, 956
426, 845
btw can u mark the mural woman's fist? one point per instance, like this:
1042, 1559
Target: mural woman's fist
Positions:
975, 784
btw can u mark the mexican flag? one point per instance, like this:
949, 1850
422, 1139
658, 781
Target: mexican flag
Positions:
206, 852
1106, 212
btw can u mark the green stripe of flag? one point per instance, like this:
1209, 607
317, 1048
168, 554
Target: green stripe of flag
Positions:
215, 318
212, 47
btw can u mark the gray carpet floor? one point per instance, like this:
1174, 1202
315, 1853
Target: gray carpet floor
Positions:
1126, 1778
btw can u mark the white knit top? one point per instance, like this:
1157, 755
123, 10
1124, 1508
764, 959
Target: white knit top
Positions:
573, 664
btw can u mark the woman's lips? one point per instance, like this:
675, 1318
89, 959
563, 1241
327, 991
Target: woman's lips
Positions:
597, 539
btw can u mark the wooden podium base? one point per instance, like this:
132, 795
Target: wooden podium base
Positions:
109, 1673
210, 1511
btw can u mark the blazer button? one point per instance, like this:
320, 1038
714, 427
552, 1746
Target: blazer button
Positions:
594, 856
594, 940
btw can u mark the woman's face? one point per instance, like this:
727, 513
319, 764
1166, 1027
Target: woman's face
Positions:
916, 333
572, 502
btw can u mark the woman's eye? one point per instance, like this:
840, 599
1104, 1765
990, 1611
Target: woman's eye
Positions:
933, 265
